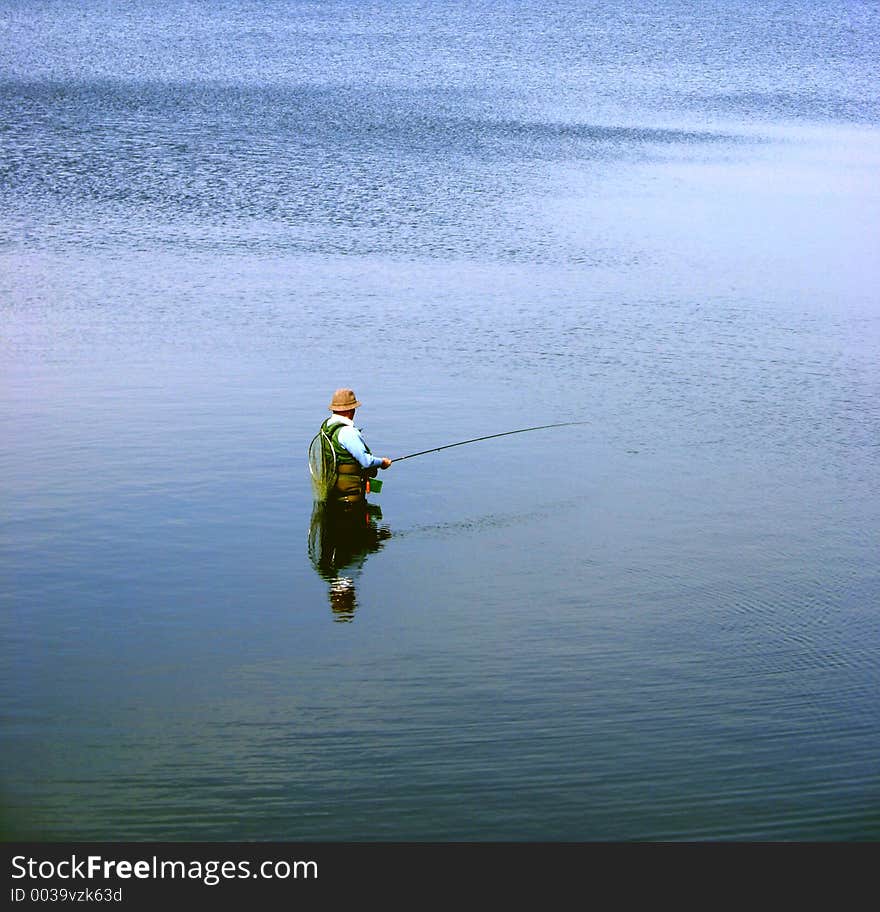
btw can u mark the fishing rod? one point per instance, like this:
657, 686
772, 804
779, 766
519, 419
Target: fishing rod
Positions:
489, 437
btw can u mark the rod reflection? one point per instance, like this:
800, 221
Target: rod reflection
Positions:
340, 538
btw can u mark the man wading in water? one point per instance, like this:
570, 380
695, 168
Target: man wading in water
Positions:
342, 531
355, 465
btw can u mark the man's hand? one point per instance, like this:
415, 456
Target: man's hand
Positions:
385, 463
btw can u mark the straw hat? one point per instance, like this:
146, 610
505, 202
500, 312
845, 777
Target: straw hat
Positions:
343, 400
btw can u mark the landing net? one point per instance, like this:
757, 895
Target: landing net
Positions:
322, 466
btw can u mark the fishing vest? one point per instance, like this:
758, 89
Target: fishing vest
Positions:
351, 476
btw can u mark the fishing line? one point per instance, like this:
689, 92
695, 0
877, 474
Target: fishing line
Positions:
447, 446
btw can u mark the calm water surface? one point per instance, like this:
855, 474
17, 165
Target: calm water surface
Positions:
658, 218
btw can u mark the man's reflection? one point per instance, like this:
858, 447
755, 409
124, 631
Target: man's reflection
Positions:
340, 538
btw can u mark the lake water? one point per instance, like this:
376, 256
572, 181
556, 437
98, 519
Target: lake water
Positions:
658, 218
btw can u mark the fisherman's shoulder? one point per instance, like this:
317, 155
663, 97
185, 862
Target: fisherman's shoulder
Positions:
349, 432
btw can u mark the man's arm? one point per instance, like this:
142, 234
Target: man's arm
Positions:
351, 439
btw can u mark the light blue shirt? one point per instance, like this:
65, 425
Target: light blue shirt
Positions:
351, 438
